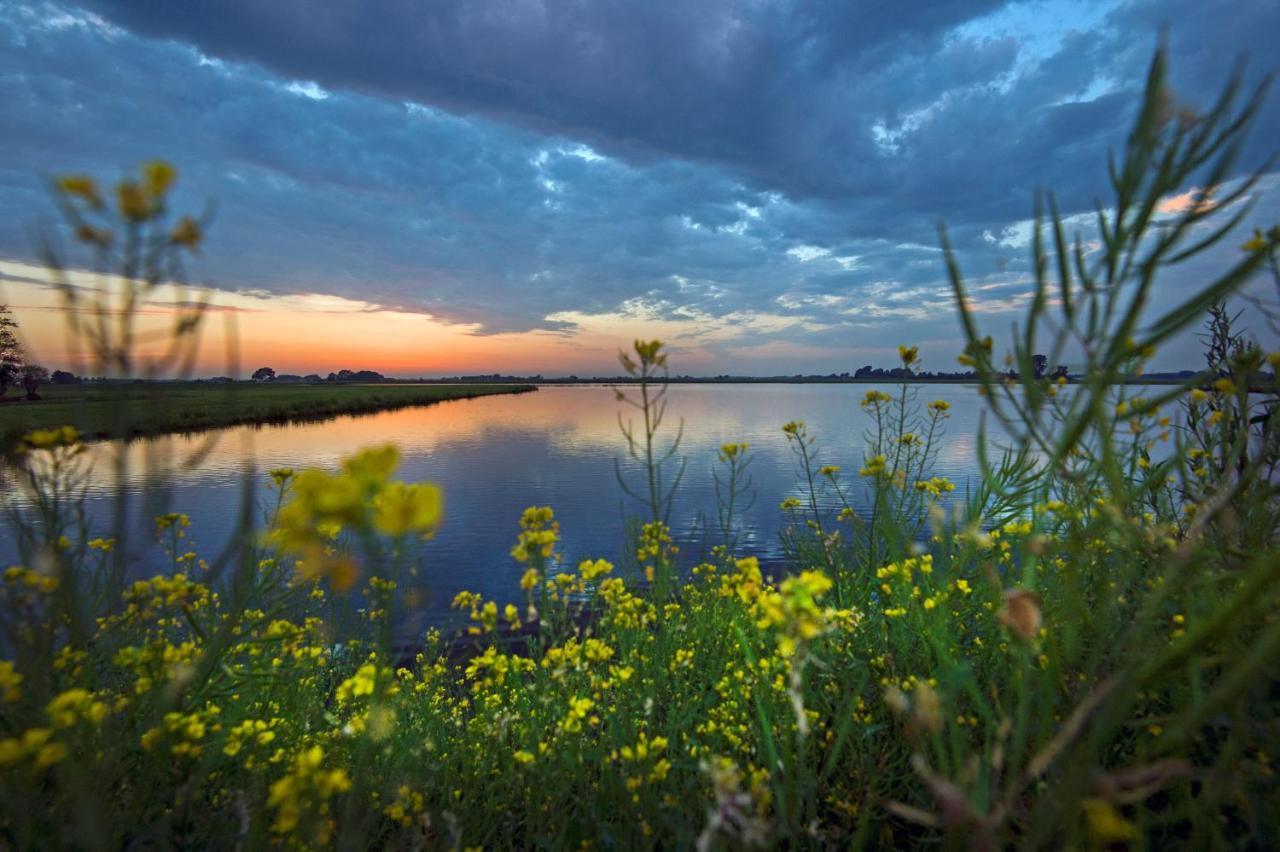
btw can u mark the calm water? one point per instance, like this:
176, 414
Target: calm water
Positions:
495, 456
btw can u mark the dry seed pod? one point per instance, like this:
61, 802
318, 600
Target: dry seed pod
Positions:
1021, 612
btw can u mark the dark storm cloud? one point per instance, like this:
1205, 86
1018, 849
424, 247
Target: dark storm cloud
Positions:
504, 164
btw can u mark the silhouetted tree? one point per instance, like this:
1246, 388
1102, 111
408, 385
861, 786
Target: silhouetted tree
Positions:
62, 377
263, 374
10, 351
1039, 363
32, 376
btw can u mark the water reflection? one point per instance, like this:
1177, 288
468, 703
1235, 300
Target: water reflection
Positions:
496, 455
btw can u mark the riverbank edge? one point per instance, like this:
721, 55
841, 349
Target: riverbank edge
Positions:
323, 410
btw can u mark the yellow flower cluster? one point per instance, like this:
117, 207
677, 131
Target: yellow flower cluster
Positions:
793, 610
307, 788
361, 498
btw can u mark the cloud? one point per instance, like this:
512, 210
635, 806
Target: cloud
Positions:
546, 167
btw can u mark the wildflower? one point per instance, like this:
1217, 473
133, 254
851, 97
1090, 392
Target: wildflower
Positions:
50, 439
874, 466
936, 486
789, 504
940, 407
81, 186
177, 522
158, 175
794, 609
10, 683
529, 579
978, 349
360, 684
186, 233
35, 745
97, 236
399, 509
874, 397
1257, 242
793, 429
578, 710
730, 452
102, 545
831, 470
305, 787
73, 706
591, 571
1105, 822
539, 532
132, 200
909, 355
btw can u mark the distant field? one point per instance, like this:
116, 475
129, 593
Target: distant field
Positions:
123, 410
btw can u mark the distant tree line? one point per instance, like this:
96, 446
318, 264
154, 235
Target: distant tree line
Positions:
267, 374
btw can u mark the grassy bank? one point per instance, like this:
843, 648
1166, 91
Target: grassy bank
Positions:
157, 408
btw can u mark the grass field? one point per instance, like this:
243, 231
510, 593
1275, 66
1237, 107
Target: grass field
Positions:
130, 410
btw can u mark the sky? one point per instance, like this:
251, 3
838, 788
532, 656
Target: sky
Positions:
525, 186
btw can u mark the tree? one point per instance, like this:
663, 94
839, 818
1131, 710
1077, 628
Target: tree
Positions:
10, 351
264, 374
32, 377
62, 377
1039, 363
1059, 372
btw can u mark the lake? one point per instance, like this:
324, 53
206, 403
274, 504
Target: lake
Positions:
496, 455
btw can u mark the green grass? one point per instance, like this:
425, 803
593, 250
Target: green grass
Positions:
157, 408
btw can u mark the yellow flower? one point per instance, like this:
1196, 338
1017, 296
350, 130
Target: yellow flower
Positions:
373, 466
874, 466
874, 397
794, 609
10, 683
909, 354
592, 570
399, 508
49, 439
529, 579
186, 233
359, 684
159, 176
81, 186
133, 201
75, 705
1105, 822
1257, 242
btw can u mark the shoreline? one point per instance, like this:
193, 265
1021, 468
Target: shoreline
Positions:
130, 412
